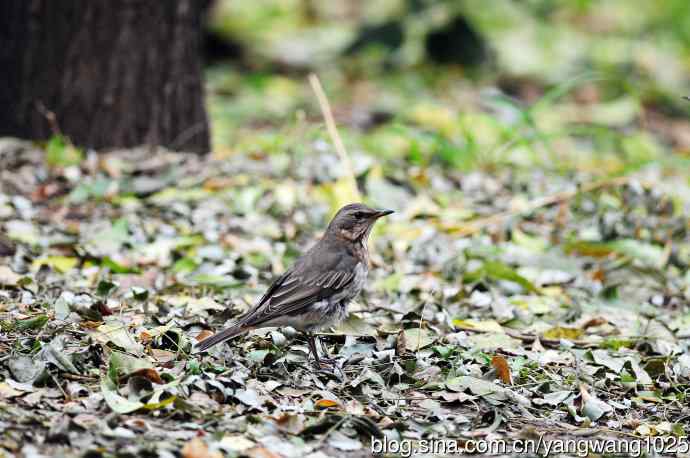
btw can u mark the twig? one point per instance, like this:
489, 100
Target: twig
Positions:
474, 226
529, 338
50, 117
333, 131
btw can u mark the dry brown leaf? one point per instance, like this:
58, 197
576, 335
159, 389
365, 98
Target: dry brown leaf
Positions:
261, 452
204, 335
502, 369
163, 356
150, 374
197, 448
599, 275
598, 321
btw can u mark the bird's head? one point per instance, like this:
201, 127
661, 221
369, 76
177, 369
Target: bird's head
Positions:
354, 222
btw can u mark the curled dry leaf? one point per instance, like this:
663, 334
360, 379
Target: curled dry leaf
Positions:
204, 334
150, 374
502, 369
325, 404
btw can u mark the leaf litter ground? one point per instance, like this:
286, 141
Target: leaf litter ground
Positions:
566, 317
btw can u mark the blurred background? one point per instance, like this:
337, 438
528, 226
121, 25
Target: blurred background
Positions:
595, 86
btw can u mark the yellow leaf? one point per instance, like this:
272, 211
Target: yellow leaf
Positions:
479, 325
60, 263
438, 118
560, 332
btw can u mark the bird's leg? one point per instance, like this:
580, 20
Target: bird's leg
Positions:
324, 349
320, 363
327, 358
312, 347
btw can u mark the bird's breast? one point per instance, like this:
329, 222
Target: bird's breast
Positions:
350, 291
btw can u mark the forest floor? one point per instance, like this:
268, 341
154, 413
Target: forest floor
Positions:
533, 284
503, 303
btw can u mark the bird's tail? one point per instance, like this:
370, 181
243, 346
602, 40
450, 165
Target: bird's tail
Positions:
226, 334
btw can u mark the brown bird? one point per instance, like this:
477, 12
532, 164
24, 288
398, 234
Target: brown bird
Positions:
314, 292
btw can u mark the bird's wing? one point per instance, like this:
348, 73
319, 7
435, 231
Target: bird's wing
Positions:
311, 279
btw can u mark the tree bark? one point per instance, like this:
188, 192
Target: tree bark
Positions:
106, 73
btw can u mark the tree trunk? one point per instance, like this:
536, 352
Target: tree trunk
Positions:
106, 73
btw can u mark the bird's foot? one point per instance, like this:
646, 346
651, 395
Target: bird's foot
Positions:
325, 363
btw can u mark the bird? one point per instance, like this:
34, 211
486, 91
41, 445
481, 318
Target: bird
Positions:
314, 292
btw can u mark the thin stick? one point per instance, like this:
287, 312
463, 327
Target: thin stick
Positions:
529, 338
333, 130
474, 226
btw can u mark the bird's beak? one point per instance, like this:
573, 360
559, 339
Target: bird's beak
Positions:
380, 213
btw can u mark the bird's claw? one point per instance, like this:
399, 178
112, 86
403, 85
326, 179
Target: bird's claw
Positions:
325, 363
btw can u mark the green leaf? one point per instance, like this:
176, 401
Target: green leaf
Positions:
36, 322
60, 152
104, 288
118, 268
216, 281
444, 351
116, 402
498, 271
646, 253
257, 356
140, 294
122, 364
184, 265
585, 248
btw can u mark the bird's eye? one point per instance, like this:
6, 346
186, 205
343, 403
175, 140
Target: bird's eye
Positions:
360, 215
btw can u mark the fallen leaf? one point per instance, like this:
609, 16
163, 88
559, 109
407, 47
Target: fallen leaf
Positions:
236, 443
355, 326
197, 448
8, 277
325, 404
480, 325
149, 374
7, 391
60, 263
502, 369
417, 338
204, 334
115, 332
562, 332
